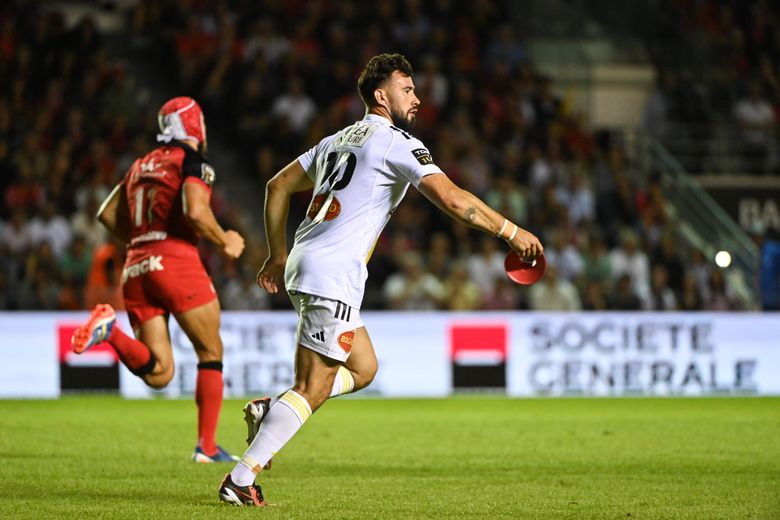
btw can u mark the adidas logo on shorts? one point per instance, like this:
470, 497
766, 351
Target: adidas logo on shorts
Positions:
319, 336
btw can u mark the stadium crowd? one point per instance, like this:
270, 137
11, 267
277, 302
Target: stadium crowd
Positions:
273, 78
729, 76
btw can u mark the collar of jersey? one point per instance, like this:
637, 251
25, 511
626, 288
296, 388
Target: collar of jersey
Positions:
376, 119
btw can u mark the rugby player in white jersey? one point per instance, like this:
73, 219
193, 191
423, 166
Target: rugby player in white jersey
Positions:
359, 176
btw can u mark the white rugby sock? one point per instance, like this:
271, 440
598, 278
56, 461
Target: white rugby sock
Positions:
343, 383
284, 419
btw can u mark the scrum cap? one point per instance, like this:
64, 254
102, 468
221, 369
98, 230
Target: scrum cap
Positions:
181, 118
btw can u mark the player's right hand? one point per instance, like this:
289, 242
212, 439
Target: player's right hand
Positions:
271, 275
526, 244
234, 244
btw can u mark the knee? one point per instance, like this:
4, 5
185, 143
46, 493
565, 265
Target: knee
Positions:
364, 377
209, 352
160, 377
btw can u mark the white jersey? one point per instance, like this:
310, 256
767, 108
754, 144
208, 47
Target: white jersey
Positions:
360, 175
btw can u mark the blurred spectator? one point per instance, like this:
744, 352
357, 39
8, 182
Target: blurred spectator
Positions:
241, 293
690, 298
506, 48
17, 235
39, 291
595, 298
756, 120
487, 265
7, 298
628, 260
413, 288
460, 292
294, 107
265, 41
562, 254
74, 264
662, 296
578, 198
51, 228
658, 110
503, 297
507, 197
85, 224
615, 196
432, 86
40, 258
596, 259
719, 297
25, 193
624, 296
699, 269
553, 293
667, 253
439, 255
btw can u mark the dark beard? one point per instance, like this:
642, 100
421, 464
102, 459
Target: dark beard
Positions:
400, 121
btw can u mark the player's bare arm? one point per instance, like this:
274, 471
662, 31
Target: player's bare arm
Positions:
468, 209
196, 207
290, 179
113, 213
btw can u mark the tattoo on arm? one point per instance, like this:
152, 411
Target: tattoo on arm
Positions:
470, 214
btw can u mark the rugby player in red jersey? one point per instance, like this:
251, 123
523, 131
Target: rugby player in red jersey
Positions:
160, 209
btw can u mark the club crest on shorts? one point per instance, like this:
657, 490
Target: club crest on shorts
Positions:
346, 339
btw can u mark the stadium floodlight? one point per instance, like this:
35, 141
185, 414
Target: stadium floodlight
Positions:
723, 259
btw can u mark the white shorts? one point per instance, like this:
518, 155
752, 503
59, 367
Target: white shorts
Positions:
325, 326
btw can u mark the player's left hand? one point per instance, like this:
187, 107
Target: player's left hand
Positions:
271, 275
234, 244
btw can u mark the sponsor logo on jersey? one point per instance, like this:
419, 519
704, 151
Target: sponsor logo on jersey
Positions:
149, 166
334, 209
207, 174
358, 135
149, 169
423, 156
147, 265
346, 339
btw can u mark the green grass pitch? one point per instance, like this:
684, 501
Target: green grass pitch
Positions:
464, 457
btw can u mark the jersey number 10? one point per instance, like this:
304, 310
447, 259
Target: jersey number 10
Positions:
331, 171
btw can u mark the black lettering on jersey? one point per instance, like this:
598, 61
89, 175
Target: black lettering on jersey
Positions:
423, 156
402, 132
207, 174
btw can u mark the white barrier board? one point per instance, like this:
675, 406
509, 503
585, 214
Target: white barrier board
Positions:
600, 354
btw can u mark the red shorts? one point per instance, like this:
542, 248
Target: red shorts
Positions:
164, 277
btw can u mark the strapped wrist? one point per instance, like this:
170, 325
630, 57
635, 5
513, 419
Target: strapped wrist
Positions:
501, 231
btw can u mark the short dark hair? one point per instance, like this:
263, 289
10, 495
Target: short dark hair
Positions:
377, 71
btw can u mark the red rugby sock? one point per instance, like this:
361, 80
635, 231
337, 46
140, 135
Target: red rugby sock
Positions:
135, 355
208, 396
